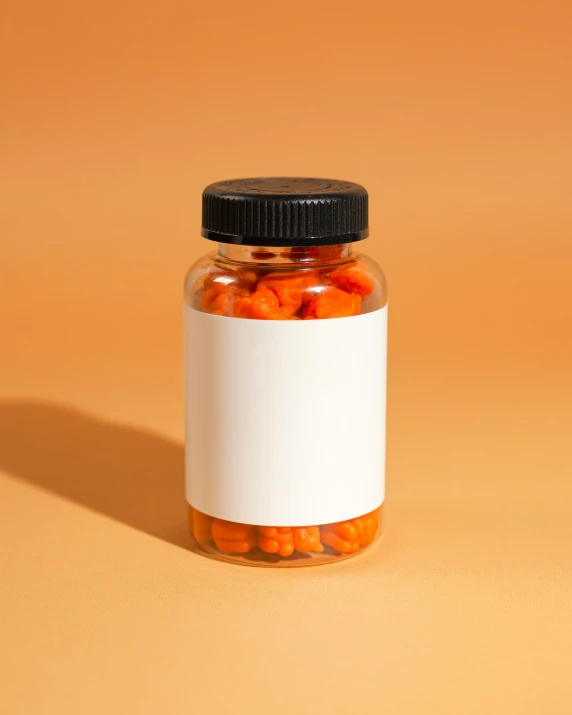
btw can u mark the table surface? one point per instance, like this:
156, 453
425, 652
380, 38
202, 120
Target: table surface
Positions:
466, 604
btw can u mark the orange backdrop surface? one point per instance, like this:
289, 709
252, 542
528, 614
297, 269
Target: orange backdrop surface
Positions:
457, 116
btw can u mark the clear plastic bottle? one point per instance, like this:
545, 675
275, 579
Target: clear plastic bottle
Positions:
286, 331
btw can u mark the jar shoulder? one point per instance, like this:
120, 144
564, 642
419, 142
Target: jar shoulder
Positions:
356, 274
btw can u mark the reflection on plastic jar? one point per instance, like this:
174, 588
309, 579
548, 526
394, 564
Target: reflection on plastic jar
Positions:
285, 429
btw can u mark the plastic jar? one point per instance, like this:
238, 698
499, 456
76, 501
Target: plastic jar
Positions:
286, 334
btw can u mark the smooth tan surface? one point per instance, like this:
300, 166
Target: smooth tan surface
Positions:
457, 117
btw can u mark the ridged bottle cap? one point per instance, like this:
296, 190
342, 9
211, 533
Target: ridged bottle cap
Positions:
285, 212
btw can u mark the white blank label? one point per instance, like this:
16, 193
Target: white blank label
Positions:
285, 420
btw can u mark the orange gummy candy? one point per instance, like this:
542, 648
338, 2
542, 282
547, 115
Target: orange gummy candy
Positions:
332, 303
367, 527
223, 288
261, 305
218, 300
284, 540
307, 538
232, 537
342, 536
353, 280
290, 288
276, 540
201, 525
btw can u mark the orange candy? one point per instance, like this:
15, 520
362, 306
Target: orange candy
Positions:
353, 280
218, 300
284, 540
281, 295
234, 538
332, 303
222, 289
261, 305
201, 525
367, 527
290, 288
342, 536
276, 540
307, 538
347, 537
258, 305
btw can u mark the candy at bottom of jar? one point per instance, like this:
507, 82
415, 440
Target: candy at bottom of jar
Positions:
232, 538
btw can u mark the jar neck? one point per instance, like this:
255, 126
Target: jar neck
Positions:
273, 255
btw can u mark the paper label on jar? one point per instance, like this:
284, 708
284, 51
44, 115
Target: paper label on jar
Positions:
285, 420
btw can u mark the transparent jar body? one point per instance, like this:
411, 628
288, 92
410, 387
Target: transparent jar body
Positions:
289, 283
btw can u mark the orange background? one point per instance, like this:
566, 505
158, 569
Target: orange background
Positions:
457, 116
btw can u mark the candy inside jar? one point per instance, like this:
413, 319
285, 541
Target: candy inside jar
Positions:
279, 545
270, 292
285, 365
